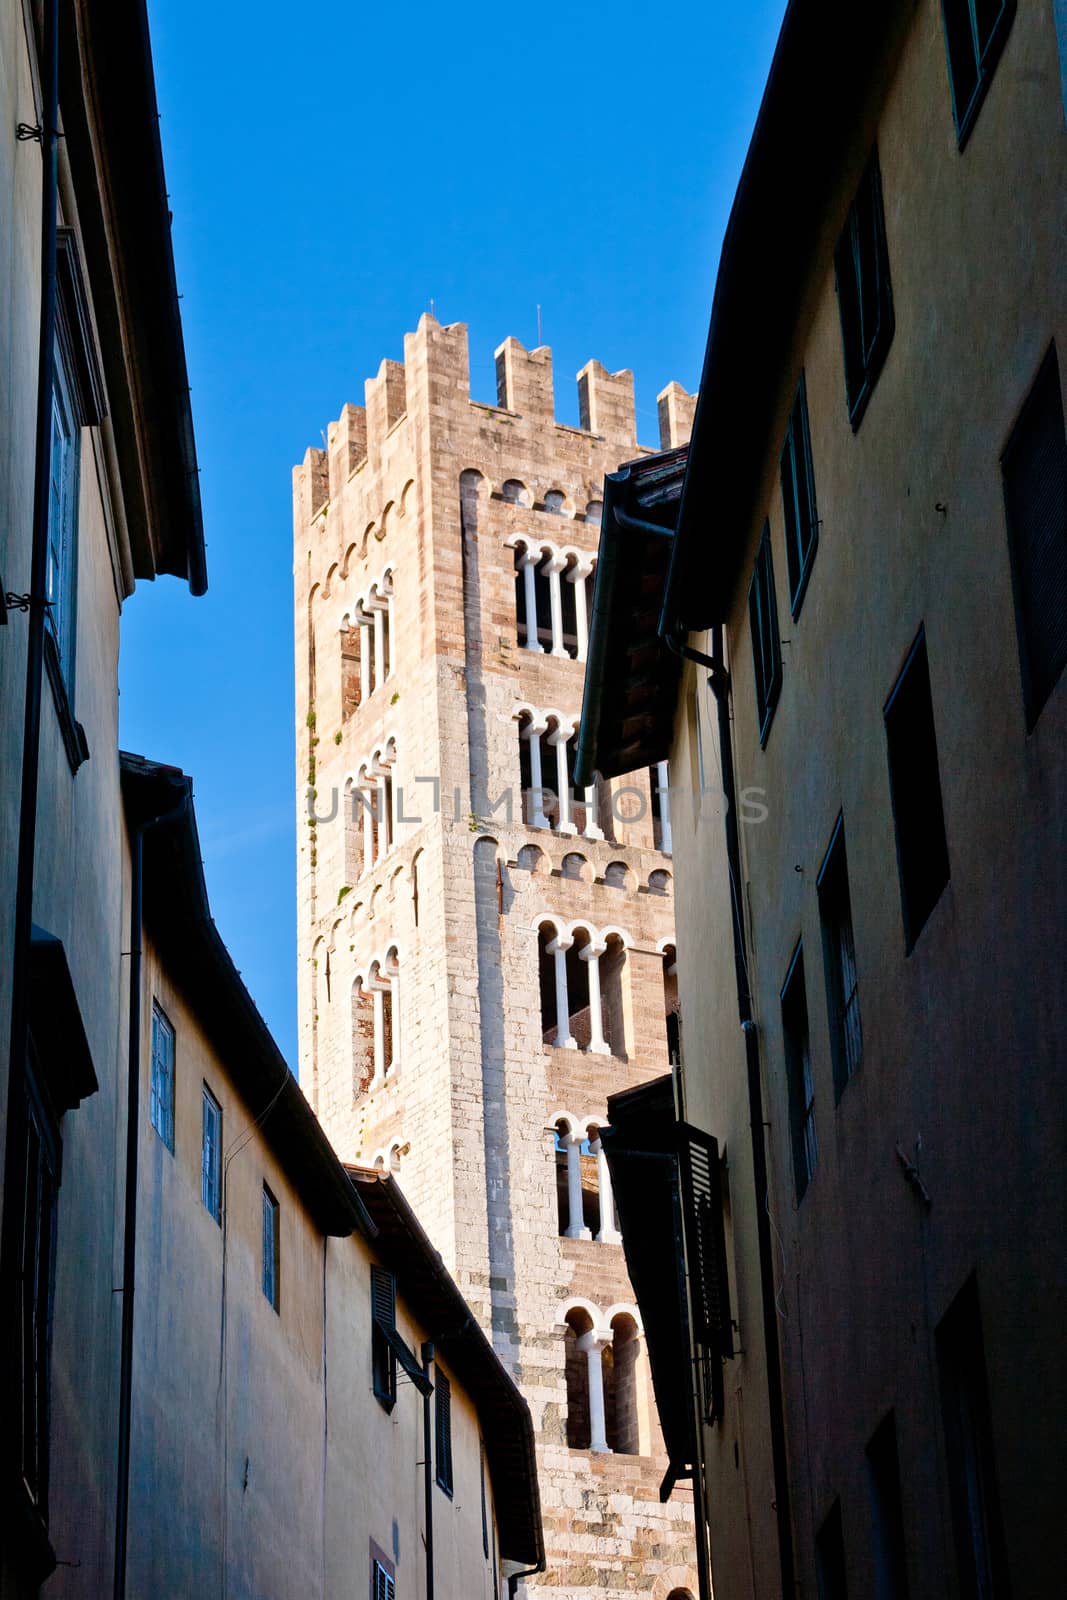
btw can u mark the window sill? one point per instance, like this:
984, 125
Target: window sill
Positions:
796, 601
73, 734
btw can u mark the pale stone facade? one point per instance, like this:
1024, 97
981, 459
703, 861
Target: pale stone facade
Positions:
434, 935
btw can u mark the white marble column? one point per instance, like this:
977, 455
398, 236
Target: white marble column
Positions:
663, 783
591, 1344
364, 654
565, 1040
564, 823
576, 1228
598, 1045
390, 636
533, 733
577, 577
609, 1232
383, 812
554, 566
592, 829
528, 562
379, 642
379, 1036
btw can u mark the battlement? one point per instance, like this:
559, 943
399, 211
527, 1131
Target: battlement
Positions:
434, 376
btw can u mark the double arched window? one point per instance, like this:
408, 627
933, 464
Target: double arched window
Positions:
549, 799
367, 643
370, 822
551, 597
375, 1017
585, 1203
583, 994
607, 1391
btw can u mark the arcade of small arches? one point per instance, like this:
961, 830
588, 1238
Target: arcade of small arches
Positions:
388, 1157
551, 599
375, 1022
606, 1371
543, 806
370, 824
367, 643
582, 1000
585, 1203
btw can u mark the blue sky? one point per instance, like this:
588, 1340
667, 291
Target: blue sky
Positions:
331, 170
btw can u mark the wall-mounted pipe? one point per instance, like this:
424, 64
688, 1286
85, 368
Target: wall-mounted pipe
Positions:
427, 1451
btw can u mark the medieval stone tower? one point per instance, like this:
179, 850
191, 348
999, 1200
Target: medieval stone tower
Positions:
485, 955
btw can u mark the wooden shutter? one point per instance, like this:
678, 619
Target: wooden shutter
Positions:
700, 1193
383, 1298
443, 1429
1035, 493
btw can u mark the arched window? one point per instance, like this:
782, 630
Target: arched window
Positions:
533, 598
351, 692
515, 492
576, 1364
374, 1041
670, 998
612, 975
594, 511
584, 1004
622, 1422
556, 502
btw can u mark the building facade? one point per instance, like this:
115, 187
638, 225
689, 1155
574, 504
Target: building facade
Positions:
485, 955
868, 570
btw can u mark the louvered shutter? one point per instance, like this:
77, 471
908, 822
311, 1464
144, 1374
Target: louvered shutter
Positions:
383, 1298
384, 1587
705, 1244
443, 1429
383, 1325
1035, 492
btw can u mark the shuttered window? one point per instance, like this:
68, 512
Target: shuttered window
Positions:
887, 1514
700, 1194
839, 960
864, 294
800, 1081
975, 31
1035, 494
485, 1507
442, 1417
271, 1248
383, 1320
382, 1585
798, 499
766, 642
915, 785
211, 1155
162, 1095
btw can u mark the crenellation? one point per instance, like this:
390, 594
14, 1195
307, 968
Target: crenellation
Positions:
386, 404
524, 381
347, 446
606, 405
676, 410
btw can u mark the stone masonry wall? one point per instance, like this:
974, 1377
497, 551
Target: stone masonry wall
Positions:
431, 490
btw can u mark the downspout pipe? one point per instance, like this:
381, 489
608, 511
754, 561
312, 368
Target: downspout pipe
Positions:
427, 1451
129, 1239
720, 687
37, 606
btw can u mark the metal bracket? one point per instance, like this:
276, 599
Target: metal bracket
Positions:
25, 131
23, 602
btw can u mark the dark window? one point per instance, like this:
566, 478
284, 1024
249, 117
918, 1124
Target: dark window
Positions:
271, 1247
382, 1582
485, 1506
799, 1079
915, 784
162, 1098
442, 1423
1035, 495
975, 31
32, 1195
383, 1315
864, 295
798, 499
887, 1514
830, 1557
766, 643
969, 1450
210, 1155
839, 960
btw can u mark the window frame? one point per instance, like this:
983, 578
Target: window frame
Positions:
763, 603
30, 1104
161, 1110
444, 1474
61, 576
211, 1156
915, 920
799, 506
800, 1076
271, 1249
984, 59
833, 888
861, 380
1036, 694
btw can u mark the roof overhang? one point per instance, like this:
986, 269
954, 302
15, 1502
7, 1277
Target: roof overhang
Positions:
111, 122
815, 123
178, 919
433, 1297
631, 675
641, 1146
